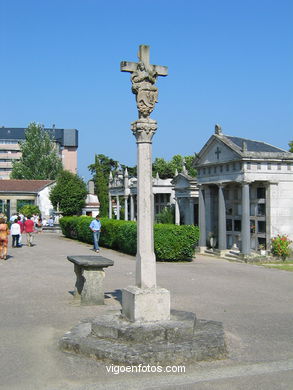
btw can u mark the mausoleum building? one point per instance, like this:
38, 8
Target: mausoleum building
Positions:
245, 193
123, 193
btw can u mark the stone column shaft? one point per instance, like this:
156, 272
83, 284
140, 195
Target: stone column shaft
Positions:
222, 245
245, 220
202, 219
191, 211
126, 208
118, 206
110, 207
208, 203
145, 261
131, 208
177, 212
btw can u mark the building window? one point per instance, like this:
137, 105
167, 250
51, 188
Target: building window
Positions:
261, 209
204, 171
229, 225
289, 167
248, 165
209, 170
234, 166
215, 169
261, 226
221, 168
279, 167
258, 165
261, 193
227, 167
237, 225
269, 166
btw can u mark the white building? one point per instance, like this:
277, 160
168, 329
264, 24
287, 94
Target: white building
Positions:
123, 192
245, 192
16, 193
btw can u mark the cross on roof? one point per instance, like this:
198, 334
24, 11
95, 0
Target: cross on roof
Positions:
217, 152
144, 56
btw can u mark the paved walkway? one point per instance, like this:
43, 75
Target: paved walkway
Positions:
254, 303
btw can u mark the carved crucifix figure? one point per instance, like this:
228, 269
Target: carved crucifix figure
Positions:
143, 78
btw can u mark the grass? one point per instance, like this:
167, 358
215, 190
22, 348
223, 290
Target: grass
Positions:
284, 267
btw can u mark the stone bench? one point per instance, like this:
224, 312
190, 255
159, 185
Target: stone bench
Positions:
90, 275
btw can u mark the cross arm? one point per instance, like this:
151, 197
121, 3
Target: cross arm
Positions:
161, 70
126, 66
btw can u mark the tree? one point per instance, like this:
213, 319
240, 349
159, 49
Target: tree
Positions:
100, 170
166, 169
30, 209
291, 146
39, 159
69, 193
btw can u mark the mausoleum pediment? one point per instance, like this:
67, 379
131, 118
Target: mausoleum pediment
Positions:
181, 182
216, 151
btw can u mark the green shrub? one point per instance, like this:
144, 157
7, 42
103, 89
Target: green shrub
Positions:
171, 242
281, 246
29, 210
167, 215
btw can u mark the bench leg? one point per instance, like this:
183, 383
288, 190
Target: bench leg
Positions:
89, 286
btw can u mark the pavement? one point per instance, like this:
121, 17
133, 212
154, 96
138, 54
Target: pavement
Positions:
37, 308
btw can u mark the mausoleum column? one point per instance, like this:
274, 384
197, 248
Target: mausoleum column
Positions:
245, 221
126, 208
131, 208
118, 206
177, 212
202, 220
222, 245
191, 211
110, 206
208, 204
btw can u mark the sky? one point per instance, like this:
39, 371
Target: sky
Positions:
230, 62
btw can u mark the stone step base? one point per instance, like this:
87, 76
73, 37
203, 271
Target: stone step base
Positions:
177, 341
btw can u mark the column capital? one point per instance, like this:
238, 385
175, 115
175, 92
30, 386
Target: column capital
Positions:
144, 129
245, 182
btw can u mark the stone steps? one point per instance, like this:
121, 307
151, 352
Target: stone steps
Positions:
181, 339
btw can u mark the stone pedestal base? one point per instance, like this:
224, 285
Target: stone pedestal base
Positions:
146, 305
181, 339
89, 286
90, 274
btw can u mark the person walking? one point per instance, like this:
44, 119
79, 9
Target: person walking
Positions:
4, 233
15, 232
19, 221
95, 227
29, 229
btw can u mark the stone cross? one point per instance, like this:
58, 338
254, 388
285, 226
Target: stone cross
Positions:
217, 152
145, 301
143, 78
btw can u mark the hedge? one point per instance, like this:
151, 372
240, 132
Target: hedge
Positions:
171, 242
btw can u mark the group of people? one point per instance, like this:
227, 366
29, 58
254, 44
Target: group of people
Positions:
19, 224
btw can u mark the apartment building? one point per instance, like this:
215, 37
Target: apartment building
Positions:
66, 141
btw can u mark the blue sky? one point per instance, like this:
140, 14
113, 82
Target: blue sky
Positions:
230, 62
